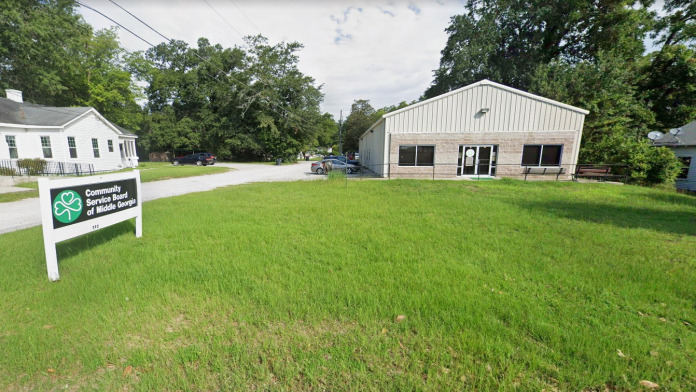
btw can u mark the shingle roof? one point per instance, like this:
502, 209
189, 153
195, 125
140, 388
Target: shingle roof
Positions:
29, 114
12, 112
685, 137
125, 131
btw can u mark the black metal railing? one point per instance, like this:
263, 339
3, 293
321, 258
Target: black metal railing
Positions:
490, 169
37, 167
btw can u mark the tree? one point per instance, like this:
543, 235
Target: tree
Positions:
108, 84
678, 25
286, 101
362, 116
615, 129
505, 40
327, 134
190, 87
392, 108
668, 85
246, 104
668, 76
50, 53
40, 47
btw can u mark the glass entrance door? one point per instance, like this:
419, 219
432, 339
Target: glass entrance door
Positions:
478, 160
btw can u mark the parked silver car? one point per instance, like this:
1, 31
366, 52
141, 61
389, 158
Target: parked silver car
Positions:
333, 164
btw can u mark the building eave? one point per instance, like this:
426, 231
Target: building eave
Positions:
373, 126
487, 82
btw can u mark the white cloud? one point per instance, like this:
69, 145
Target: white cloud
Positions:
384, 51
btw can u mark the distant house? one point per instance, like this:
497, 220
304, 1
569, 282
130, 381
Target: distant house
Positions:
484, 129
683, 141
62, 134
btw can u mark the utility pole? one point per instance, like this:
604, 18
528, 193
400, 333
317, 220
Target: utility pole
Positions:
340, 134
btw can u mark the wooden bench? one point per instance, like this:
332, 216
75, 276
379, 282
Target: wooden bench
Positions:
541, 170
599, 172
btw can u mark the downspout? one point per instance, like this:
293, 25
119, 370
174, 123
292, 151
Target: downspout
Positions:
388, 151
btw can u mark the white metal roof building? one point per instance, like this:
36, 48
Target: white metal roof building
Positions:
683, 141
484, 129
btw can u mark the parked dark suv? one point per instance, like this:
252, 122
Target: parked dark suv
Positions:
200, 159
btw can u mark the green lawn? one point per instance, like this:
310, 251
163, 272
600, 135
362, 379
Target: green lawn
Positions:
149, 171
504, 285
156, 171
14, 196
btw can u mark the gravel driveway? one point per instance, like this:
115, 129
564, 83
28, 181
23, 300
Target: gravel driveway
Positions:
26, 213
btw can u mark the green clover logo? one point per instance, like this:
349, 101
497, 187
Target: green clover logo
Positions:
67, 206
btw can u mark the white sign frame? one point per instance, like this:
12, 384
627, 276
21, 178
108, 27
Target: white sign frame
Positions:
52, 235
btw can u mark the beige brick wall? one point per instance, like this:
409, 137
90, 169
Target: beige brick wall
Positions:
510, 145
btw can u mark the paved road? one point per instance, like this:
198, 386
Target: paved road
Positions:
25, 213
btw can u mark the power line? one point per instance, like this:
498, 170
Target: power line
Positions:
122, 26
244, 86
139, 20
223, 18
245, 16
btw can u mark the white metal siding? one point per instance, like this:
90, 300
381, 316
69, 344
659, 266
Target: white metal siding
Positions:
690, 182
372, 150
508, 112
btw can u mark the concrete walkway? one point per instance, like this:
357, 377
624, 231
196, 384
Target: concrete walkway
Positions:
26, 213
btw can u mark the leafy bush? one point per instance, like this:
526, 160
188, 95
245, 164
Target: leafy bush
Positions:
33, 167
7, 171
654, 165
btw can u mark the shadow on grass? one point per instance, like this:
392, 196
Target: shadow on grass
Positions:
77, 245
674, 198
676, 222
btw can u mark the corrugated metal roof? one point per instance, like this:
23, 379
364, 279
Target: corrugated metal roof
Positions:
486, 82
459, 111
685, 137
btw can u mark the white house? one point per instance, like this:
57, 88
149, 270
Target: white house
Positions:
484, 129
683, 141
61, 134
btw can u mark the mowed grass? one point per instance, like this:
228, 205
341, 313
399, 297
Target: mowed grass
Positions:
156, 171
14, 196
504, 285
149, 171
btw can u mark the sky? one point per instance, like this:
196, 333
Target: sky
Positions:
383, 51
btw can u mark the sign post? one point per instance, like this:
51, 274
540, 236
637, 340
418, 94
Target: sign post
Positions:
75, 206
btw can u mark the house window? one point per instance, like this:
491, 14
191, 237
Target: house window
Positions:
12, 144
684, 173
46, 147
111, 145
416, 155
72, 146
95, 147
542, 155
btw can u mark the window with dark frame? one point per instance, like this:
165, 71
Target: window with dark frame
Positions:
72, 146
684, 173
542, 155
95, 147
416, 155
12, 145
46, 147
111, 145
